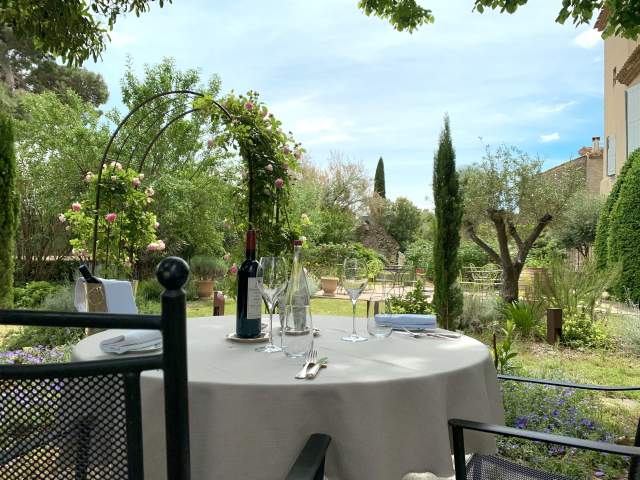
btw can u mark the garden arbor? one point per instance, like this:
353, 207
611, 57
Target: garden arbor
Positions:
135, 136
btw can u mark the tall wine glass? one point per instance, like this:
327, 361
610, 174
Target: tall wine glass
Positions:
272, 279
354, 281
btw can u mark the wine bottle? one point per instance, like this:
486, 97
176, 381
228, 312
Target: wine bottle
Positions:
249, 308
86, 273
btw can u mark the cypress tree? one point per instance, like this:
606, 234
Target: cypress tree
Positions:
378, 180
447, 296
8, 210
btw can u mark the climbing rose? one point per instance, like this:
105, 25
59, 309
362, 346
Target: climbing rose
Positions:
298, 154
114, 178
110, 217
141, 176
135, 182
156, 225
248, 106
210, 143
152, 247
234, 269
226, 257
76, 207
279, 183
88, 177
269, 168
150, 191
62, 218
285, 166
161, 245
286, 150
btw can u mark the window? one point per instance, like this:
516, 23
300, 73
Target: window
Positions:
611, 155
633, 119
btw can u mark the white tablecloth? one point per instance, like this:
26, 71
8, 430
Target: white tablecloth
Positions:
384, 402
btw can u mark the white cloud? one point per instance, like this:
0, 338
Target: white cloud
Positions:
588, 39
314, 125
333, 138
552, 137
556, 107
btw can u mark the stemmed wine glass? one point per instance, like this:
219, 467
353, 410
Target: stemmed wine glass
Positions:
272, 279
354, 281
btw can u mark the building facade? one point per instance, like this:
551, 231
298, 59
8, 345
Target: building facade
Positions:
588, 165
621, 103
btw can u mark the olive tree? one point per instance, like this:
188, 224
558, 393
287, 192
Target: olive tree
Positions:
508, 192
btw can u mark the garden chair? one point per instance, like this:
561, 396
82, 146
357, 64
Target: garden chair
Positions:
83, 420
492, 467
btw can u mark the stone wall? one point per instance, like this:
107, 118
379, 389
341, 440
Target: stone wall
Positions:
374, 236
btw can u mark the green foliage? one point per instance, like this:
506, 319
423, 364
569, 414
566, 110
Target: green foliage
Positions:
544, 250
471, 254
379, 185
579, 331
126, 226
26, 337
503, 352
269, 158
401, 219
478, 312
447, 297
32, 294
524, 315
602, 230
575, 290
8, 210
326, 259
402, 14
71, 29
60, 300
149, 290
577, 228
419, 254
414, 301
59, 141
624, 232
207, 268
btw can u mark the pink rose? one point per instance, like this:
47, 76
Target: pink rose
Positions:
62, 218
88, 177
269, 168
156, 225
110, 217
248, 106
209, 144
161, 245
286, 150
135, 182
298, 154
152, 247
279, 183
76, 207
233, 269
150, 191
226, 257
141, 176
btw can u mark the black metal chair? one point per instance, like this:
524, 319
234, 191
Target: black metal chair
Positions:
82, 420
492, 467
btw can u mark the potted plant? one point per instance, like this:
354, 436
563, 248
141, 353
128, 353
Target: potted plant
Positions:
329, 282
206, 269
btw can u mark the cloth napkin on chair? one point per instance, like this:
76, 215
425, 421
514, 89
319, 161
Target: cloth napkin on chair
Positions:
406, 320
118, 295
132, 341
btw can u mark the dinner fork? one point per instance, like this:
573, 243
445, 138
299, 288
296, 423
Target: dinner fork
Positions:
309, 360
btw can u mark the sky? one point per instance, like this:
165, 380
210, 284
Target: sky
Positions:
342, 81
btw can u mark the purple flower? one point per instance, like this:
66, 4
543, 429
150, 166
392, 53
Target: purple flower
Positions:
521, 422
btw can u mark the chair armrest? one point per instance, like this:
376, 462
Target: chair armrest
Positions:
557, 383
545, 437
310, 462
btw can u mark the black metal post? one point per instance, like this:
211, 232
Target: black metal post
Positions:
172, 274
457, 435
133, 406
634, 467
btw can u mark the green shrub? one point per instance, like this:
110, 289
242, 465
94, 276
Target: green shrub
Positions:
471, 254
32, 294
503, 353
478, 312
419, 254
414, 301
26, 337
207, 268
9, 205
602, 230
61, 300
326, 259
624, 232
579, 331
525, 316
149, 290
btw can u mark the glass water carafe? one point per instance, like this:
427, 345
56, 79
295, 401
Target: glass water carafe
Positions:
298, 326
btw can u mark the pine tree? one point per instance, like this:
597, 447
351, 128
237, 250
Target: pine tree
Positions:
378, 181
8, 210
447, 296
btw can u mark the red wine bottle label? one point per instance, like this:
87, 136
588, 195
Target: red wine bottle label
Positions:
254, 299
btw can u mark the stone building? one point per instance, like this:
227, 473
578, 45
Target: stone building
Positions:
589, 164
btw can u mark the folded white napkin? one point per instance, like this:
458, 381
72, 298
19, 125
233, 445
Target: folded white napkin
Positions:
407, 320
132, 341
118, 293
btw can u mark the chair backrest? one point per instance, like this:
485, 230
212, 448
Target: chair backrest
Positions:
82, 420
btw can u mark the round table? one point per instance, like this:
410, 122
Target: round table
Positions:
384, 402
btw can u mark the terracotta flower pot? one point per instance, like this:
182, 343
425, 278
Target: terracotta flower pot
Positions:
329, 285
204, 288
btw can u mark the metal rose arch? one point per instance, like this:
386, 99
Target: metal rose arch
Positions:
149, 119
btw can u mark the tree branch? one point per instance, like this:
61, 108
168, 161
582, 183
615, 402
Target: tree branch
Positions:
515, 235
468, 227
523, 250
497, 217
